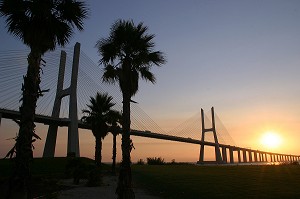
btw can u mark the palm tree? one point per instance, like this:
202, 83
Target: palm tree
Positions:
41, 25
115, 130
99, 116
127, 54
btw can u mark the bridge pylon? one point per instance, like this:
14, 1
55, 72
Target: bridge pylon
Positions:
213, 130
73, 137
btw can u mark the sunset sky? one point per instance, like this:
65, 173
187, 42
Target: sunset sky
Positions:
242, 57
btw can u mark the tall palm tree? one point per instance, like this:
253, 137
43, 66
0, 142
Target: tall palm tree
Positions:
127, 55
99, 114
115, 129
41, 25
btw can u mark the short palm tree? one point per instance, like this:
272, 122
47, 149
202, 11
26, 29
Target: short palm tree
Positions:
115, 121
99, 114
41, 25
127, 55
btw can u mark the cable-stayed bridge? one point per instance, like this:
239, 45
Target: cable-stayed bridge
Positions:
73, 77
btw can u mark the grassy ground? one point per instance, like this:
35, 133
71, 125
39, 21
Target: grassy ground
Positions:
182, 181
194, 182
47, 167
46, 173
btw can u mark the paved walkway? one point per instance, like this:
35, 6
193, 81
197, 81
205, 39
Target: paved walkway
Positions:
106, 191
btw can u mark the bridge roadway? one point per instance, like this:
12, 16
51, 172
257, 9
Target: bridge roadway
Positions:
10, 114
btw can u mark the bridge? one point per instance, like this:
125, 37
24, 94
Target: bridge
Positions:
83, 85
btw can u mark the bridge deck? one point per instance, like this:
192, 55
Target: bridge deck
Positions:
10, 114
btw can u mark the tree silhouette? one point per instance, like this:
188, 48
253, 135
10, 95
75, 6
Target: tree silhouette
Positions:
99, 116
127, 55
115, 130
41, 25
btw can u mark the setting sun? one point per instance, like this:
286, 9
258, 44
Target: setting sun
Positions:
271, 139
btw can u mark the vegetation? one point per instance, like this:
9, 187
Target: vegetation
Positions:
41, 25
47, 172
115, 130
100, 115
155, 161
127, 54
214, 182
140, 162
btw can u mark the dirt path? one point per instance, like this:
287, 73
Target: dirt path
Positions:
106, 191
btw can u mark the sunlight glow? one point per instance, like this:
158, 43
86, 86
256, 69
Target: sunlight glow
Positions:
271, 139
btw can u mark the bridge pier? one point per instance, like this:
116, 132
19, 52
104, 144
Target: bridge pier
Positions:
244, 156
0, 118
213, 130
49, 149
239, 155
231, 155
271, 157
73, 137
224, 155
250, 155
255, 156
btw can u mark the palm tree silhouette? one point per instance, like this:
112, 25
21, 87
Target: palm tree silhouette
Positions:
99, 116
41, 25
115, 121
127, 55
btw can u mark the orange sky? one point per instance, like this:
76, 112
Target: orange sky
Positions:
246, 130
242, 57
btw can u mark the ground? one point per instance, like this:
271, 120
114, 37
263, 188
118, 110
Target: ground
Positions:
107, 190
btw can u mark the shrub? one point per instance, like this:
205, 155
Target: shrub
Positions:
289, 163
140, 162
94, 178
295, 163
76, 169
155, 161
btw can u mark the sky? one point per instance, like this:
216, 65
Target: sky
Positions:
241, 57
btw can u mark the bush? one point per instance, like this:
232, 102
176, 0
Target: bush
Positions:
76, 169
95, 178
290, 163
155, 161
140, 162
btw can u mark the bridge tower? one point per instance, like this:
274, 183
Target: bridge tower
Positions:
213, 130
73, 137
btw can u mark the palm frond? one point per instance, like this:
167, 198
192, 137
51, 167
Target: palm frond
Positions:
42, 25
147, 75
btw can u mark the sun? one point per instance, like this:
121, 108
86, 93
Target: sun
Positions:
271, 139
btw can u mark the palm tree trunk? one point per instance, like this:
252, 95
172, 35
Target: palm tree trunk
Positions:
20, 183
124, 188
113, 166
98, 150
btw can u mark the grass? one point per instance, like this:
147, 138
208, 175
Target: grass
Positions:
183, 181
46, 173
194, 182
47, 167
